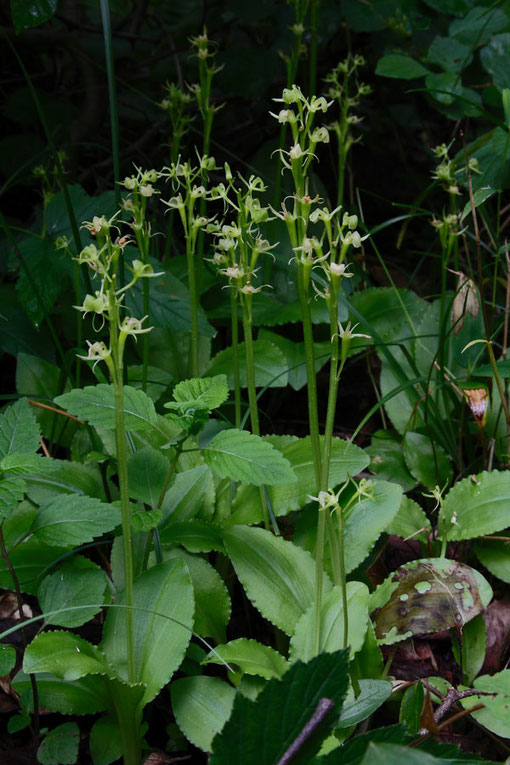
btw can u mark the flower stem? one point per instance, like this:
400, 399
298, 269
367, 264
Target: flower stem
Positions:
313, 417
252, 394
194, 311
235, 357
120, 439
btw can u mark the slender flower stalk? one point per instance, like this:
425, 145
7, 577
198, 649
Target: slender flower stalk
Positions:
103, 260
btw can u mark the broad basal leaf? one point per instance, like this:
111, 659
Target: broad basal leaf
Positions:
201, 706
476, 506
242, 456
278, 576
365, 521
332, 623
147, 471
162, 626
72, 520
96, 405
426, 596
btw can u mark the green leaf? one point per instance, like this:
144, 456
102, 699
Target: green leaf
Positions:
366, 519
27, 464
201, 706
395, 65
31, 13
409, 520
480, 196
60, 745
495, 716
73, 520
158, 380
187, 496
105, 741
30, 560
281, 711
251, 657
200, 393
7, 659
346, 460
96, 405
78, 582
353, 750
66, 477
65, 655
269, 362
170, 305
212, 600
195, 536
495, 556
41, 280
162, 625
444, 87
372, 694
387, 460
278, 576
77, 697
479, 25
428, 595
19, 432
450, 54
295, 356
426, 460
147, 472
38, 379
332, 623
474, 646
411, 708
12, 490
243, 456
480, 504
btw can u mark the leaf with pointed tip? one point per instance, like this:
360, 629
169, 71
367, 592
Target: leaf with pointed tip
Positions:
251, 657
72, 520
96, 405
278, 576
65, 655
245, 457
162, 626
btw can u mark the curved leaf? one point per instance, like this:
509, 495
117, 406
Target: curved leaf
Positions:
96, 405
332, 623
480, 504
279, 578
65, 655
201, 705
252, 658
427, 595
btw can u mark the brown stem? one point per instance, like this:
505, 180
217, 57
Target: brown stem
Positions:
322, 710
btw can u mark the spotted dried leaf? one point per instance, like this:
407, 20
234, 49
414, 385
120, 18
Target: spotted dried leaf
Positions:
427, 596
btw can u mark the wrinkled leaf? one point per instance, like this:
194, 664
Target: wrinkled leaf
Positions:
242, 456
96, 405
